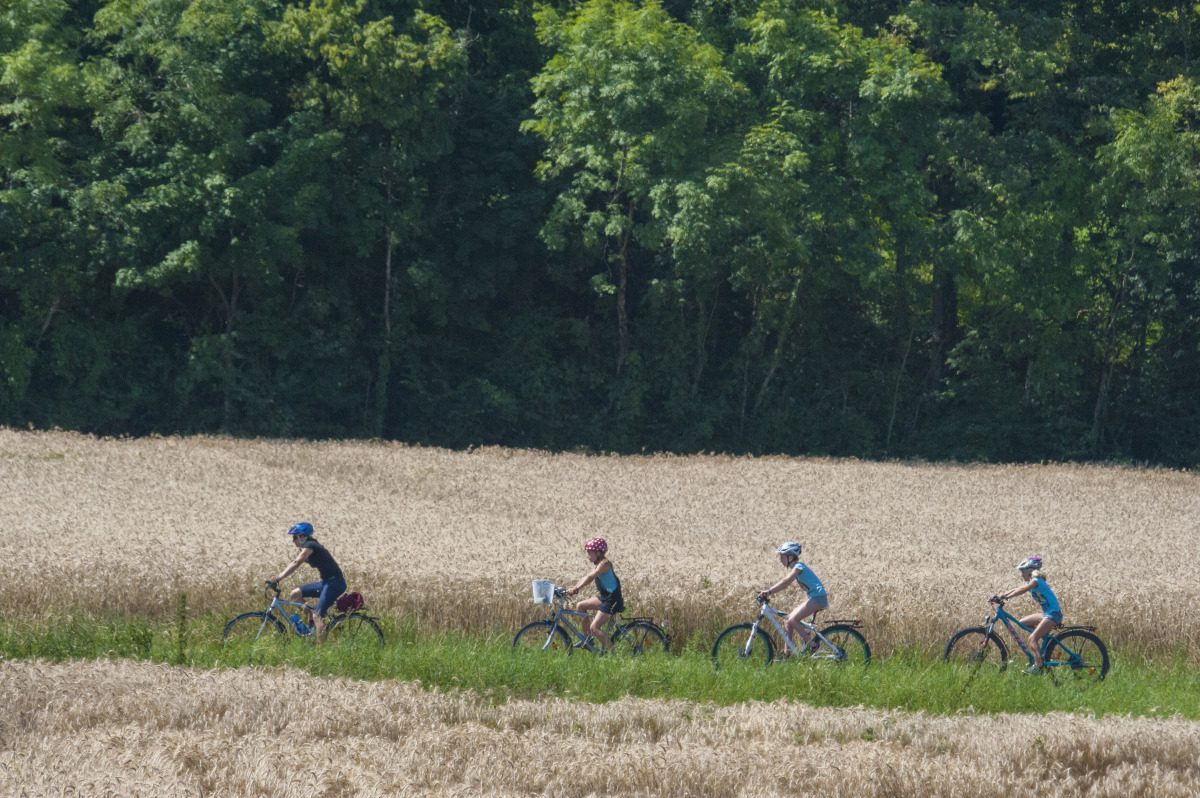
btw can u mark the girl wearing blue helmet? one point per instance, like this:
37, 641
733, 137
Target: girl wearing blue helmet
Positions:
815, 597
1042, 622
331, 585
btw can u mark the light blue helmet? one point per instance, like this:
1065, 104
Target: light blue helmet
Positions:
302, 528
1030, 563
791, 547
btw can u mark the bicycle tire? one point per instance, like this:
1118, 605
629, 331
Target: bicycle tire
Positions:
641, 639
1078, 654
354, 628
252, 626
852, 646
543, 636
976, 648
742, 644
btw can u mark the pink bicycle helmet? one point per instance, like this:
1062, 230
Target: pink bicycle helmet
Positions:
596, 544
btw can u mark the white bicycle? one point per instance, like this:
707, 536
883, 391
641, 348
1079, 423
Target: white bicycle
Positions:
836, 641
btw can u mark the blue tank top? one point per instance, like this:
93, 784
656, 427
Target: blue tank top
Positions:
807, 580
607, 582
1045, 597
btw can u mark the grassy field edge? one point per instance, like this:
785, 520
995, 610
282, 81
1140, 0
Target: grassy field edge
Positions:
488, 666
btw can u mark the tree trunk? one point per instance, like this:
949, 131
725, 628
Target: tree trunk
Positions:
780, 343
945, 323
623, 290
384, 366
903, 324
1108, 353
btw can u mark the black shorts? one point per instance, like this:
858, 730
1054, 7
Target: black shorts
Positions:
612, 603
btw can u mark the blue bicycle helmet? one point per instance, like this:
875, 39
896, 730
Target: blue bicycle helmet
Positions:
302, 528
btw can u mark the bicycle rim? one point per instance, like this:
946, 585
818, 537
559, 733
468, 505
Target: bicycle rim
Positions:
640, 639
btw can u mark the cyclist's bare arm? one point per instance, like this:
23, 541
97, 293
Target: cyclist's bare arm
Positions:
293, 565
1016, 591
605, 565
778, 586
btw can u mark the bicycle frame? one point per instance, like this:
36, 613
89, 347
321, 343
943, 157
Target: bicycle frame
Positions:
561, 617
276, 608
765, 610
1010, 621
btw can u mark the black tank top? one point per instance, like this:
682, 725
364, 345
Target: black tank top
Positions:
323, 561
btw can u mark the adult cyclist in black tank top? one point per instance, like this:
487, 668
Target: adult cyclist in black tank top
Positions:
332, 583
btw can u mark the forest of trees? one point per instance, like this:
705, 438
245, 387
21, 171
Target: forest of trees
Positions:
879, 228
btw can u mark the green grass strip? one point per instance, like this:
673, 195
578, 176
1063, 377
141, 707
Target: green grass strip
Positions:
489, 666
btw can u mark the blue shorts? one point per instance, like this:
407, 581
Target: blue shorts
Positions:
822, 599
1054, 616
326, 591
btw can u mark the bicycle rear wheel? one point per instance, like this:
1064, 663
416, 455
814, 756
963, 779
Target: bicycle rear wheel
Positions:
641, 639
742, 644
1077, 654
543, 636
977, 649
251, 626
355, 628
850, 646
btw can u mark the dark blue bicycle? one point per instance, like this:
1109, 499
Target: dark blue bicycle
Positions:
1074, 652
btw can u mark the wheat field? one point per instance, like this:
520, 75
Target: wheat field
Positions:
452, 539
100, 729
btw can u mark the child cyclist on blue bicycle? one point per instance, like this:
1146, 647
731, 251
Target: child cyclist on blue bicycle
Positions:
1042, 622
815, 599
331, 585
609, 601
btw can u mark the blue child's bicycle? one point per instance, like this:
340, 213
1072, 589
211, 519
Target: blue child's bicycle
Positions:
635, 637
346, 625
1074, 652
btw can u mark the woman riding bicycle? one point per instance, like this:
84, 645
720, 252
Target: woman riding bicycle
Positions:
816, 599
610, 601
1042, 622
332, 583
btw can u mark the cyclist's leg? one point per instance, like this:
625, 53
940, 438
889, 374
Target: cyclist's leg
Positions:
330, 590
597, 628
589, 604
806, 610
610, 605
1041, 624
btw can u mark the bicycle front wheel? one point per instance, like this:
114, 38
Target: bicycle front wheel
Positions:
742, 644
976, 648
543, 636
641, 639
355, 628
848, 645
251, 626
1077, 654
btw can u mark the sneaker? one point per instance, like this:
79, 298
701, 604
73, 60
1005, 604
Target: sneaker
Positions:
814, 646
1033, 670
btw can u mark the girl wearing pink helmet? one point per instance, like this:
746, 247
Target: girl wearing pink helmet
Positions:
609, 601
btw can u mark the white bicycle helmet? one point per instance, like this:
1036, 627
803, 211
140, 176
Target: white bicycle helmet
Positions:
1030, 563
791, 547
